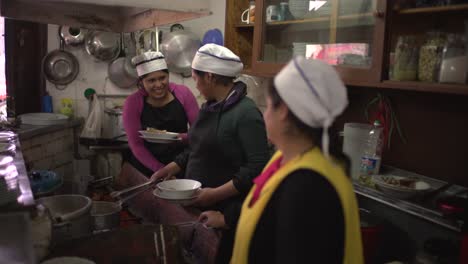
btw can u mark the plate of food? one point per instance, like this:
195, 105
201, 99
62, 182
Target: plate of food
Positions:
401, 187
161, 140
153, 133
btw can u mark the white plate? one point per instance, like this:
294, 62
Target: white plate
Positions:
7, 136
157, 193
155, 135
7, 147
161, 141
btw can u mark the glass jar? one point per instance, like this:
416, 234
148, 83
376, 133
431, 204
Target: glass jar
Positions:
284, 13
454, 65
430, 56
406, 59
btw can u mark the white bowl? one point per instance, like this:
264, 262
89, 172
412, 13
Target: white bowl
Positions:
178, 189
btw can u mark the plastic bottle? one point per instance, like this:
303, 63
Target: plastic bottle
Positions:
372, 155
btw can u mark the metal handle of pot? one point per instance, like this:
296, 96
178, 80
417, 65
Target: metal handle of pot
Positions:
119, 193
122, 201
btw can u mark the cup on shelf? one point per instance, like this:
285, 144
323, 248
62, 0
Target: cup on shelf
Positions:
272, 13
248, 16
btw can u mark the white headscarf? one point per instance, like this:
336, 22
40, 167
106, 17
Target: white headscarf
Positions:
217, 59
314, 92
149, 62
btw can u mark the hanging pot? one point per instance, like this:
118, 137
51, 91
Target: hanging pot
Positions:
60, 67
121, 71
179, 48
72, 36
104, 46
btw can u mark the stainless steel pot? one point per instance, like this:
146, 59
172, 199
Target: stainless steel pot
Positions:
60, 67
72, 36
104, 46
179, 48
106, 215
113, 123
70, 216
121, 71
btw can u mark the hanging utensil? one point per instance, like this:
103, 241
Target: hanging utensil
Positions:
73, 36
60, 67
121, 71
104, 46
179, 48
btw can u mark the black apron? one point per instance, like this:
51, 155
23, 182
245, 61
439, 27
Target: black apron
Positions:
171, 117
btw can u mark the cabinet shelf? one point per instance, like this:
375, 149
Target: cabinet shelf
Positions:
301, 21
355, 16
434, 9
244, 26
448, 88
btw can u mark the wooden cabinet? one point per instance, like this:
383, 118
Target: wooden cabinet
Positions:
357, 36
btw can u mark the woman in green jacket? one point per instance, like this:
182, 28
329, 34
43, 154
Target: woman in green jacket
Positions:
227, 143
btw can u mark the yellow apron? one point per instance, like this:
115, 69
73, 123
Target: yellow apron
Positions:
312, 160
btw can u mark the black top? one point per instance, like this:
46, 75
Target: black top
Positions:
170, 117
302, 223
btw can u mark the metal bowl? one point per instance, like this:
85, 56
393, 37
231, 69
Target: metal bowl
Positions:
60, 67
104, 46
73, 36
122, 72
179, 48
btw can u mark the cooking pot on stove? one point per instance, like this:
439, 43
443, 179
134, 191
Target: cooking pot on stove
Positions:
70, 216
113, 123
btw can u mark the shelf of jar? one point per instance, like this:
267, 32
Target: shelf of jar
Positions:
449, 88
433, 9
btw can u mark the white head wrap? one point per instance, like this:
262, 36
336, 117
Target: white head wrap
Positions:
314, 92
217, 59
149, 62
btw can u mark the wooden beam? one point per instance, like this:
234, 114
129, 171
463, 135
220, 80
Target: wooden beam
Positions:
155, 17
92, 16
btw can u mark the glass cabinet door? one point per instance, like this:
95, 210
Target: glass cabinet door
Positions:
340, 32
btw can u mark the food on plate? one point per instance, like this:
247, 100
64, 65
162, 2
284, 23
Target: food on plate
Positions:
403, 182
154, 130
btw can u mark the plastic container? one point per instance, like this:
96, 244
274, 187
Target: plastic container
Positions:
430, 57
372, 154
406, 59
355, 136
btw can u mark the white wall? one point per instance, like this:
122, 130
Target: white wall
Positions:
93, 73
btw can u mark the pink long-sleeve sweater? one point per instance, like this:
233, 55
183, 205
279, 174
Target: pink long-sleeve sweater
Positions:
133, 108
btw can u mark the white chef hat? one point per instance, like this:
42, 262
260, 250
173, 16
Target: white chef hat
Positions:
149, 62
314, 92
217, 59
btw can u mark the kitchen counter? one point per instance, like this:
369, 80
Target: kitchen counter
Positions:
28, 131
426, 210
25, 198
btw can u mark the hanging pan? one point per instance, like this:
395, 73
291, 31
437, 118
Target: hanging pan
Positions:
60, 67
121, 71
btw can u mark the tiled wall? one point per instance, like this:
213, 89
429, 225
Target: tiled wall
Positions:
52, 151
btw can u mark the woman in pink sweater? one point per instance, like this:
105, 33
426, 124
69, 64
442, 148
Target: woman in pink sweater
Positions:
157, 104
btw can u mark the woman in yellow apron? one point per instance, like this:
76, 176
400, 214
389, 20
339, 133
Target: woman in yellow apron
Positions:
302, 208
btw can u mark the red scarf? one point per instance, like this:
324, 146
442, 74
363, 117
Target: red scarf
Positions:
262, 179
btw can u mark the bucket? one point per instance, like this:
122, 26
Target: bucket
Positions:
355, 136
